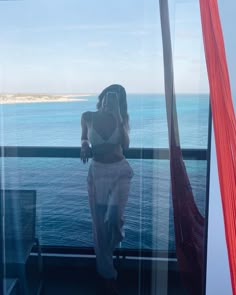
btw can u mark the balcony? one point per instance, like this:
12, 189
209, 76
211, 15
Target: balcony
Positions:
146, 266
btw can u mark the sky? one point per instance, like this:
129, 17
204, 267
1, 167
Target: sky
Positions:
77, 46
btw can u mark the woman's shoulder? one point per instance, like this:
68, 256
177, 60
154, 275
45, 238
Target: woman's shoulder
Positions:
87, 116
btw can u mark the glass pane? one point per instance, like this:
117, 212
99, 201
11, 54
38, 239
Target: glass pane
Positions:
56, 58
63, 215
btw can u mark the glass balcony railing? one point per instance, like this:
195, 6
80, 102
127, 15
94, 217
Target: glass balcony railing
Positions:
63, 221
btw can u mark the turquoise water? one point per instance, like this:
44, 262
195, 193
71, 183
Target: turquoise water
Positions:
58, 124
63, 216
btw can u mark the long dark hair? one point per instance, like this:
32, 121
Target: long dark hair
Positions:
121, 93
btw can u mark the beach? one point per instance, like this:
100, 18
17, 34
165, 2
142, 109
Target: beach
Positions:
37, 98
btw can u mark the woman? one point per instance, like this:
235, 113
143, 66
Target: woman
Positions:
109, 174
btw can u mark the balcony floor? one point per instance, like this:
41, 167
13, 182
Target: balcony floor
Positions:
67, 279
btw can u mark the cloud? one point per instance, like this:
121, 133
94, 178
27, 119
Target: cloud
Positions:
129, 28
98, 44
139, 32
85, 61
187, 34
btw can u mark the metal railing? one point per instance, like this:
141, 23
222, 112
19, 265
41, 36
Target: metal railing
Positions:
74, 152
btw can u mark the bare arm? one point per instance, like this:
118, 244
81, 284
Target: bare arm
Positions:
85, 150
124, 136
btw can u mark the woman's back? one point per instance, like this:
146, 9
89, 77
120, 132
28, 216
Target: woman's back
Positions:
105, 136
103, 128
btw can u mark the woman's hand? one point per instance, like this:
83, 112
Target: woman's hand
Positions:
85, 152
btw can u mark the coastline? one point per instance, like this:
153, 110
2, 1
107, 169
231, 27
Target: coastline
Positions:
41, 98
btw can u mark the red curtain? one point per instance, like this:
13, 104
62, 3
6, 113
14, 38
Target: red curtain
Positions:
223, 120
189, 224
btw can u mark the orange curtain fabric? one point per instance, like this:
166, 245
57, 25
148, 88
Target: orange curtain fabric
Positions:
223, 120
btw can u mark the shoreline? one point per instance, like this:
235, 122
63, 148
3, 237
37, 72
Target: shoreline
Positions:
41, 98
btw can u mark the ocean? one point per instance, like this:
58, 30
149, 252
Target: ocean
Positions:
63, 216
